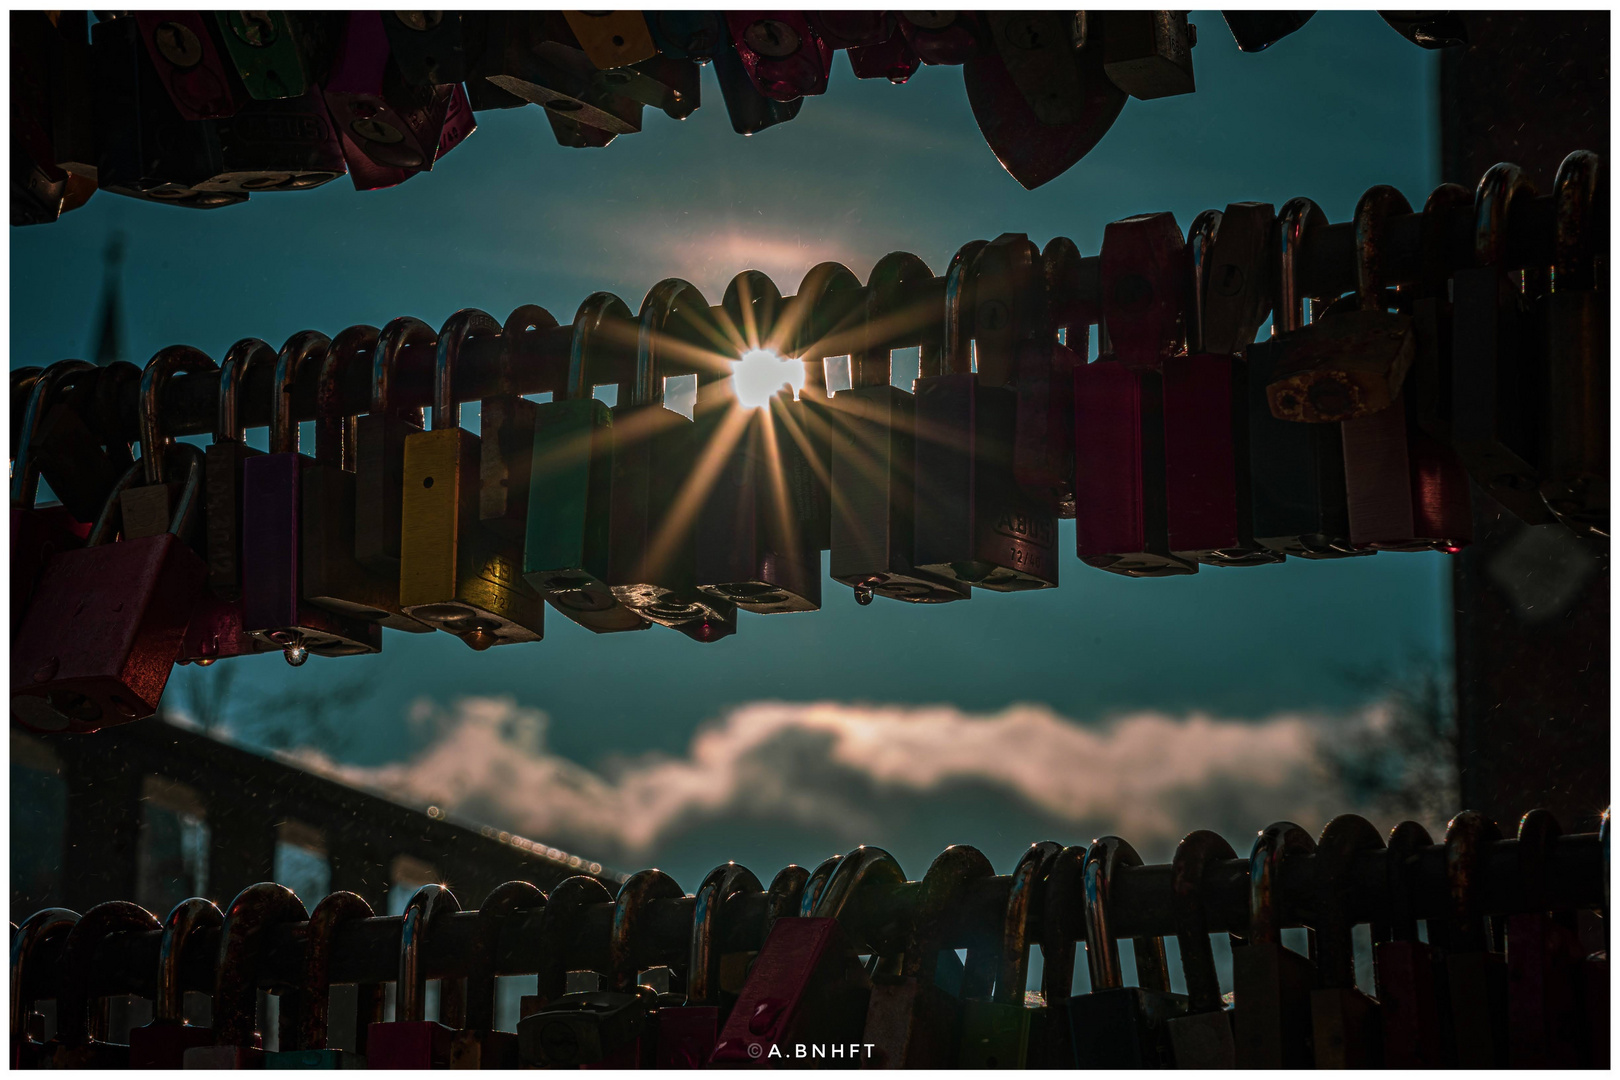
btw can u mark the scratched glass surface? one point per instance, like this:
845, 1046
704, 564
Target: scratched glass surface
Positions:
1139, 707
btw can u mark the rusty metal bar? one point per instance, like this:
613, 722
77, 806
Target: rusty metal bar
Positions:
1328, 269
1572, 879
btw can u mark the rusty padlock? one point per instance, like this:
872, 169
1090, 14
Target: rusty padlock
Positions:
1346, 1023
310, 1034
162, 1044
79, 1042
479, 1045
251, 914
37, 533
559, 924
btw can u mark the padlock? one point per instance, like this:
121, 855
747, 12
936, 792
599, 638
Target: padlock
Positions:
162, 1044
1271, 984
23, 381
147, 509
782, 53
627, 955
1256, 31
433, 48
973, 524
280, 54
329, 575
273, 608
37, 940
566, 545
1498, 369
478, 1045
889, 56
1575, 449
506, 430
146, 149
685, 1035
411, 1040
911, 1022
1063, 923
1476, 971
1395, 502
225, 457
612, 39
1116, 1026
393, 123
786, 894
41, 189
1429, 382
874, 456
559, 924
107, 620
674, 86
181, 45
73, 444
37, 533
1544, 964
587, 1027
1208, 512
1202, 1038
807, 984
1408, 972
1296, 471
1066, 81
650, 564
1147, 54
1043, 448
945, 37
380, 448
750, 548
79, 1042
251, 914
532, 55
996, 1031
314, 994
1346, 1023
1119, 462
288, 144
453, 573
749, 110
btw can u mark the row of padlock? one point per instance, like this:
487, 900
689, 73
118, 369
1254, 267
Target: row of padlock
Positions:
1356, 433
818, 966
203, 109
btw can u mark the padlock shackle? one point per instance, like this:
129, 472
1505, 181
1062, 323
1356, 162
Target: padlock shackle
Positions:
1579, 201
956, 344
1405, 840
251, 913
1274, 843
1433, 274
785, 894
1468, 839
302, 347
525, 324
1105, 855
625, 944
453, 336
1061, 264
73, 966
1294, 221
1373, 211
703, 967
1196, 852
1200, 250
1023, 908
28, 942
816, 885
1342, 839
654, 335
333, 911
750, 295
183, 921
174, 360
1009, 309
947, 879
184, 507
47, 384
399, 333
504, 900
887, 288
1064, 921
559, 921
1493, 205
852, 874
822, 316
602, 325
239, 362
1538, 830
335, 431
426, 904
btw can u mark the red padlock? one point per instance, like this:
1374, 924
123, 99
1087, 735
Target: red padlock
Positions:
37, 533
391, 129
105, 628
253, 911
38, 939
893, 59
685, 1035
76, 1045
411, 1040
162, 1044
181, 44
783, 54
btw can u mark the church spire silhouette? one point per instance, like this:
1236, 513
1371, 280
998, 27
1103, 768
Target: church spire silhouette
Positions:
108, 346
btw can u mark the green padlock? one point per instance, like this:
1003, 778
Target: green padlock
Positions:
995, 1032
566, 551
278, 54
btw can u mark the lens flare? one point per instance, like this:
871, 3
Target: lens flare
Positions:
760, 373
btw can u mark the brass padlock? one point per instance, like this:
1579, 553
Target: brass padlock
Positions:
454, 574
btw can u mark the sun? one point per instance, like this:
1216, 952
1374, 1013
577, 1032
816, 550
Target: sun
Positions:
760, 373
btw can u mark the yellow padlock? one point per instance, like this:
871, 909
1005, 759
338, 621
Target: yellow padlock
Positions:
454, 574
612, 39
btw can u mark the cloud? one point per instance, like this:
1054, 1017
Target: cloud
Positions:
846, 773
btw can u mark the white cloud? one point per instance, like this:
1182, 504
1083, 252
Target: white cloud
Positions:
829, 768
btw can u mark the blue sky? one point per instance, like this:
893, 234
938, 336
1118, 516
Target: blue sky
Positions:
510, 218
